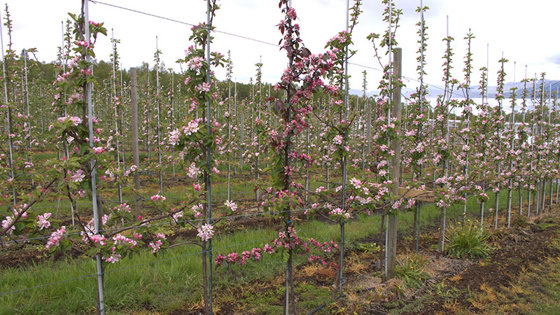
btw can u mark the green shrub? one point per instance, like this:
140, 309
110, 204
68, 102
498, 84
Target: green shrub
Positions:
411, 270
468, 240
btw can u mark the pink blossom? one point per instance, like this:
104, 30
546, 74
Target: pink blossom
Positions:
196, 209
6, 222
177, 216
119, 239
268, 249
231, 205
196, 186
75, 120
356, 183
174, 137
156, 246
219, 259
98, 239
19, 209
55, 237
42, 221
191, 127
245, 256
78, 176
232, 257
204, 87
256, 252
157, 197
195, 63
292, 13
123, 207
411, 202
193, 171
113, 258
205, 232
337, 140
340, 212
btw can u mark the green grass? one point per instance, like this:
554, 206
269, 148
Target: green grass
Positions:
535, 290
411, 270
142, 282
468, 240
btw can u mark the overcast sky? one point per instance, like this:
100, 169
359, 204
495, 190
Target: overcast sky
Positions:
525, 31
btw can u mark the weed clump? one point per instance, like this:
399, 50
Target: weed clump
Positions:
468, 240
411, 270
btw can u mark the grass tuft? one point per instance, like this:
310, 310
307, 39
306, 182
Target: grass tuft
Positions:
411, 270
468, 240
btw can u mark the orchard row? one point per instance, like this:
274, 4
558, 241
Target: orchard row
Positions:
98, 136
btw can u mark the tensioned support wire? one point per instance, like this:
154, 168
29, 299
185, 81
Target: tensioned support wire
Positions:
161, 17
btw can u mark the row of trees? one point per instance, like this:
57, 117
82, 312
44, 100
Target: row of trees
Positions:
376, 155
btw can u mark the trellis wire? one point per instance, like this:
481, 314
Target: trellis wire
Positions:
246, 38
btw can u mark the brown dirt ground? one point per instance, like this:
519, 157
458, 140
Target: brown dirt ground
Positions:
515, 250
